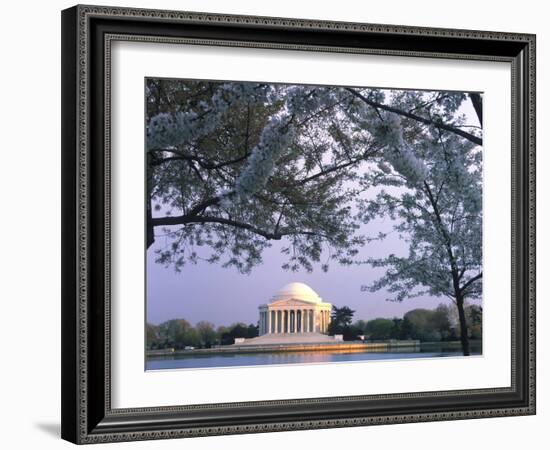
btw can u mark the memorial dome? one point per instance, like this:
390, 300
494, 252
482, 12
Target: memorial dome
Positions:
297, 291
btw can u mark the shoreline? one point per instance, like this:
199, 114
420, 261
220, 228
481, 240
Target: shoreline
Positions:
351, 346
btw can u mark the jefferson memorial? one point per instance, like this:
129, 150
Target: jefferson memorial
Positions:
296, 308
294, 315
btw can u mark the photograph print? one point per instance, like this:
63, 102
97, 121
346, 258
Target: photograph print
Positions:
300, 224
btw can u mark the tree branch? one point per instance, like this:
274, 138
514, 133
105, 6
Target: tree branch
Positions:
471, 281
448, 244
180, 156
202, 206
184, 220
472, 138
332, 169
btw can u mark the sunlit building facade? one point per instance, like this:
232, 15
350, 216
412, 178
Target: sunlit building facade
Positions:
295, 309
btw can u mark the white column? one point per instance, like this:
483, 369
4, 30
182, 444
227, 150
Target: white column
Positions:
288, 320
303, 322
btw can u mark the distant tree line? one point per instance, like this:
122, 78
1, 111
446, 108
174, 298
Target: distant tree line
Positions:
179, 333
427, 325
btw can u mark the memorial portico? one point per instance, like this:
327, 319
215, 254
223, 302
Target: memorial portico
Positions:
295, 309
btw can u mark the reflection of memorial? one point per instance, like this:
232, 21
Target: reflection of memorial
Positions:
295, 315
296, 308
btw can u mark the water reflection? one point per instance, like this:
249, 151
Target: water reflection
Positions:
298, 357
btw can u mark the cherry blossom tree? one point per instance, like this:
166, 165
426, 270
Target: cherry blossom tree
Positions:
234, 166
430, 185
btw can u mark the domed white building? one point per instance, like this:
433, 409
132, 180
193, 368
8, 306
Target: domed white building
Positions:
295, 309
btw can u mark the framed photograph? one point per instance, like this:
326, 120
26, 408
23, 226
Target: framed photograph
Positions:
280, 224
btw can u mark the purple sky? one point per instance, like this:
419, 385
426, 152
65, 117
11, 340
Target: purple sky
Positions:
224, 296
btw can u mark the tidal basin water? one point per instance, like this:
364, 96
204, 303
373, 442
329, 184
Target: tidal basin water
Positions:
259, 359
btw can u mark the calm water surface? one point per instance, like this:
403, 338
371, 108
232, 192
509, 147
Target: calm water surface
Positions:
259, 359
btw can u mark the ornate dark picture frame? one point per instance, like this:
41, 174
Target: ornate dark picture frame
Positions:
87, 34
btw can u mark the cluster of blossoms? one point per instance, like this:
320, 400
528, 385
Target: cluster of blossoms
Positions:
275, 139
462, 178
407, 164
167, 130
170, 130
388, 133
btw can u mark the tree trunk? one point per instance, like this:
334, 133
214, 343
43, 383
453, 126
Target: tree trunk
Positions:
477, 103
463, 327
149, 225
149, 219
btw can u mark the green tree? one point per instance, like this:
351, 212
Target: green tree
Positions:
402, 329
380, 329
358, 327
178, 333
207, 334
238, 330
441, 322
474, 319
252, 331
151, 336
430, 325
340, 321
